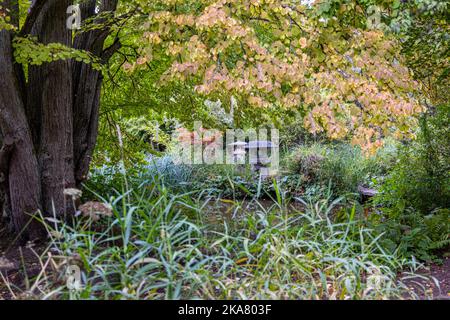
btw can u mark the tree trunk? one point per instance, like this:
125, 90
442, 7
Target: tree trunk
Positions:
20, 171
48, 124
53, 97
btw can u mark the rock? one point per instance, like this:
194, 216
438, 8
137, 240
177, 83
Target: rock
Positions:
367, 191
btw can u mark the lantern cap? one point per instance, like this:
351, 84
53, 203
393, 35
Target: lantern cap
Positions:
238, 144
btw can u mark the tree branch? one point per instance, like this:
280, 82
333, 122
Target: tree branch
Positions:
108, 52
35, 11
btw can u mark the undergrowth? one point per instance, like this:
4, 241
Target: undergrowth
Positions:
160, 245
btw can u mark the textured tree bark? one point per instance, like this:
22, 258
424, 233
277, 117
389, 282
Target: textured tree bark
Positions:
87, 86
21, 172
48, 123
55, 153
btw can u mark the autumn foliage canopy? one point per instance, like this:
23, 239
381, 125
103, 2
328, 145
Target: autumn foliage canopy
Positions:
346, 82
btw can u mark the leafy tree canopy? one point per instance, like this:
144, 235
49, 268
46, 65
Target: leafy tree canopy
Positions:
347, 80
334, 63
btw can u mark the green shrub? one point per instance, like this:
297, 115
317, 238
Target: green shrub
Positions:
413, 234
421, 179
344, 166
173, 175
415, 197
106, 180
306, 161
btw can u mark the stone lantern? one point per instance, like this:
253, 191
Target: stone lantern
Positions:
238, 154
238, 151
259, 155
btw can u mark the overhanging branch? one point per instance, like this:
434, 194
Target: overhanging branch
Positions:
109, 52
